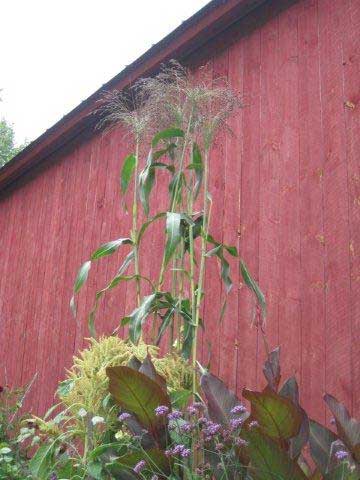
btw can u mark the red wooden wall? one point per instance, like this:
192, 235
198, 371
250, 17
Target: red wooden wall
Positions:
286, 190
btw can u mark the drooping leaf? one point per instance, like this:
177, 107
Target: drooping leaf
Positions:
173, 226
138, 394
113, 283
278, 417
253, 286
166, 134
81, 278
146, 224
188, 328
267, 460
198, 167
146, 183
165, 322
137, 318
114, 448
42, 459
110, 247
290, 390
180, 398
219, 398
196, 232
174, 232
175, 188
348, 428
148, 369
271, 369
127, 172
218, 251
320, 441
169, 150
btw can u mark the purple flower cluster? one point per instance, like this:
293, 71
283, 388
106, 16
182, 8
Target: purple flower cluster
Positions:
124, 416
211, 429
178, 450
240, 442
161, 410
235, 423
238, 409
195, 408
187, 427
341, 455
175, 415
139, 466
253, 424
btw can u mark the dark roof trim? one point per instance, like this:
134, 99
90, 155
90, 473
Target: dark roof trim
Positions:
208, 22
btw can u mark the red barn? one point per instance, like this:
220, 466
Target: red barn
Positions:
286, 191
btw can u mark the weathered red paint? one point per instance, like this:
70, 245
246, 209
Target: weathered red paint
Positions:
286, 190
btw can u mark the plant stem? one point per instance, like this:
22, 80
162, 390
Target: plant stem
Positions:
134, 232
176, 191
205, 231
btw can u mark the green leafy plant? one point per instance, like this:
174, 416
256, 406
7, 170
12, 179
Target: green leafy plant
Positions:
13, 454
221, 439
173, 120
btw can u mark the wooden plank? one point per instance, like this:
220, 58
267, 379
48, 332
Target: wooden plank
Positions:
213, 282
19, 247
231, 221
336, 203
271, 153
33, 357
7, 208
289, 203
47, 377
351, 74
311, 216
249, 229
100, 235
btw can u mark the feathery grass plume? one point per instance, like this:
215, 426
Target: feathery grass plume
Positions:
128, 108
175, 97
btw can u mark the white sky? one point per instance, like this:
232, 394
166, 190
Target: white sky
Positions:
55, 53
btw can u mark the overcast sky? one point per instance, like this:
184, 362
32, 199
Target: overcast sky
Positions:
55, 53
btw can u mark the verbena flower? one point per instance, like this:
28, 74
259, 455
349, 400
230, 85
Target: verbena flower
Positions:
235, 423
161, 410
192, 410
238, 409
139, 466
175, 415
240, 442
203, 421
212, 429
124, 416
187, 427
253, 424
178, 449
185, 452
341, 454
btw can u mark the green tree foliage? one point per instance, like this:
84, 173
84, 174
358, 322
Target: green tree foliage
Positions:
8, 149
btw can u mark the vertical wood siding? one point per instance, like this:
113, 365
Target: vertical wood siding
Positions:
286, 190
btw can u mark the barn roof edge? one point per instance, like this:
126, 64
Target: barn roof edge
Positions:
208, 22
